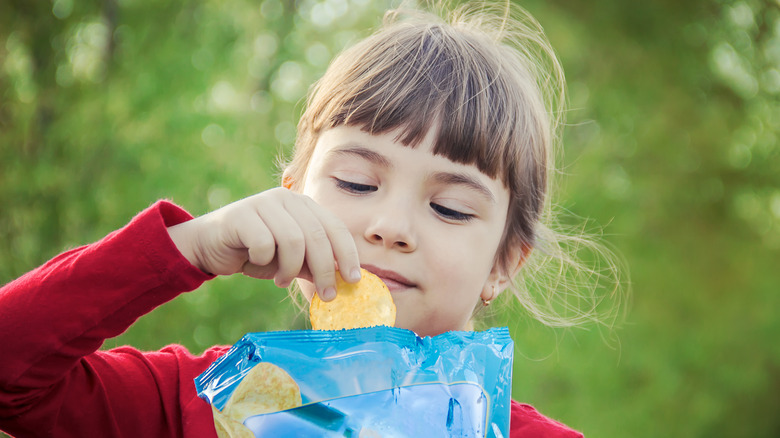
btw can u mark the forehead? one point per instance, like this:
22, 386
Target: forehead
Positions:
381, 149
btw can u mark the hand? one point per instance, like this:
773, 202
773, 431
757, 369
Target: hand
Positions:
275, 234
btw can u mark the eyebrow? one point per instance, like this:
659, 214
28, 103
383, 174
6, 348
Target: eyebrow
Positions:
365, 153
463, 179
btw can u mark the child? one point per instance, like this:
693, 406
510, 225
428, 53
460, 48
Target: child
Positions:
423, 156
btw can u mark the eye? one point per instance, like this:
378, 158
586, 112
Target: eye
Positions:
451, 214
352, 187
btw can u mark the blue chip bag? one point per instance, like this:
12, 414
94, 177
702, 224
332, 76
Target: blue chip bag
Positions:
374, 382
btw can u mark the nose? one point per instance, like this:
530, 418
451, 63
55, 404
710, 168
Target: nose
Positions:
393, 230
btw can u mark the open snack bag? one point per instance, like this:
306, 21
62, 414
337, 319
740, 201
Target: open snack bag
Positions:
354, 376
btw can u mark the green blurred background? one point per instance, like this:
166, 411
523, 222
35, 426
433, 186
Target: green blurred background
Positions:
107, 106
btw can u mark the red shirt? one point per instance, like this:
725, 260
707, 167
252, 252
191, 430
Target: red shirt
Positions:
54, 382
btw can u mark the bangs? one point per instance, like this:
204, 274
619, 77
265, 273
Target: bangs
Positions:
419, 77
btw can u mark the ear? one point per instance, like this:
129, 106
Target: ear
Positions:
287, 179
499, 279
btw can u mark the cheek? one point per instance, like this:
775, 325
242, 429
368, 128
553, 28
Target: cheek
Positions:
476, 249
467, 259
458, 265
307, 288
323, 195
352, 214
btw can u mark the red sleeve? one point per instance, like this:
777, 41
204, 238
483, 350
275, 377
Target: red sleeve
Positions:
527, 422
53, 382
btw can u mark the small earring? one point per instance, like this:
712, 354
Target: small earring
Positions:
485, 302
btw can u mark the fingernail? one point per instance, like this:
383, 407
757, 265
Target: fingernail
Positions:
329, 293
355, 274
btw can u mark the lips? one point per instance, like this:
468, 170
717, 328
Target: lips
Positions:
394, 281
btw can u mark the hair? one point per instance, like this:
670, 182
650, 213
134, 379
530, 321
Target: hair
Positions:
486, 80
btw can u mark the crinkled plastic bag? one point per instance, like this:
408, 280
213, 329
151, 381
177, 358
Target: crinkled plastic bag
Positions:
375, 382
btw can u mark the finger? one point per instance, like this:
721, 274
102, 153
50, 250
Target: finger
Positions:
257, 239
290, 243
319, 252
341, 241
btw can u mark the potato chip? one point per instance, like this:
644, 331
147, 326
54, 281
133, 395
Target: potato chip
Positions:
366, 303
229, 428
266, 388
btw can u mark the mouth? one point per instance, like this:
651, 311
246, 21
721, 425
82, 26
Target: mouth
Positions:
394, 281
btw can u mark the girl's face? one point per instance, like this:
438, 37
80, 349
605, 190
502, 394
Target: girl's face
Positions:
428, 227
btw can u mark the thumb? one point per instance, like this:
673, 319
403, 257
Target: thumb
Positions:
265, 272
268, 272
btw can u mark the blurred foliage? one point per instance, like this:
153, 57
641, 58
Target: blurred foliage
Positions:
106, 106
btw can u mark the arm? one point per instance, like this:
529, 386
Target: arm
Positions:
55, 317
527, 422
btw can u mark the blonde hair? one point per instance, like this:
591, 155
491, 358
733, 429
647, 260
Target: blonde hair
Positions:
486, 79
